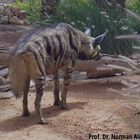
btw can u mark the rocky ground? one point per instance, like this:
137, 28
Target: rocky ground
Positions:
97, 106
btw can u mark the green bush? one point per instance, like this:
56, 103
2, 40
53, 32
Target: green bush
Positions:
32, 7
87, 14
135, 7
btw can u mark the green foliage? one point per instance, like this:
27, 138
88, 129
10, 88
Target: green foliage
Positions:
75, 12
32, 7
135, 7
87, 14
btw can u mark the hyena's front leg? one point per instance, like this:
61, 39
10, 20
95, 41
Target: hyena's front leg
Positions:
56, 90
40, 84
66, 82
25, 98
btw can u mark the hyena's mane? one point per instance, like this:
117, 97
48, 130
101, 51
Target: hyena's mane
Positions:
22, 42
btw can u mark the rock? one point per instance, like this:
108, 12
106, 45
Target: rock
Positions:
3, 67
13, 15
4, 72
2, 7
4, 19
26, 22
15, 11
3, 80
8, 12
5, 88
6, 95
22, 15
16, 20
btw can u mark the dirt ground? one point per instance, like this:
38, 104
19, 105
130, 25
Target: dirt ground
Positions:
95, 108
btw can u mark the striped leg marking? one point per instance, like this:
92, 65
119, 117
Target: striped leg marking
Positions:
39, 83
56, 90
66, 83
25, 99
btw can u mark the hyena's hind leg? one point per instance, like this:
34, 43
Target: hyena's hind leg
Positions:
66, 82
40, 84
25, 98
56, 90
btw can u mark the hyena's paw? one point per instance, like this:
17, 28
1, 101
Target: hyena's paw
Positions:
26, 114
64, 106
43, 121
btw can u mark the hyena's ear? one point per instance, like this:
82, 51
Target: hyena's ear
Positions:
98, 40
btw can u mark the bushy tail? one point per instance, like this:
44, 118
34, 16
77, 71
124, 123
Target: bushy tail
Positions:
18, 75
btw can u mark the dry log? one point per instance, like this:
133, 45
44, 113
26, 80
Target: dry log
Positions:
108, 70
4, 73
88, 65
119, 61
107, 66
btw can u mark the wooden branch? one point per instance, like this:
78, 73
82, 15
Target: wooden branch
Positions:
128, 37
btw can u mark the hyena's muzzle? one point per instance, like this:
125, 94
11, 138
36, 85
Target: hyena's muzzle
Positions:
92, 49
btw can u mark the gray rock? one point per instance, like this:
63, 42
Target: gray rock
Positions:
4, 72
8, 12
6, 95
5, 88
22, 15
3, 80
3, 67
15, 11
4, 19
1, 9
16, 20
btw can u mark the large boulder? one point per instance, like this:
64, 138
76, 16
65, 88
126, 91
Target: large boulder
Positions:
16, 20
22, 15
8, 12
15, 11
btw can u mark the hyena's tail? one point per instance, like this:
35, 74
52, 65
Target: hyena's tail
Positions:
18, 75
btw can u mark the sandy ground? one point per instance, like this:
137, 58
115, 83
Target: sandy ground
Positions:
94, 108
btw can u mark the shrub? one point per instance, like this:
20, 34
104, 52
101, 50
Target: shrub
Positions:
32, 7
87, 14
135, 7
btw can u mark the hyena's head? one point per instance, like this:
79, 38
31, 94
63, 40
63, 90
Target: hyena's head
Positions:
91, 49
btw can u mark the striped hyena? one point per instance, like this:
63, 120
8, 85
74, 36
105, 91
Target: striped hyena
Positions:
45, 52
